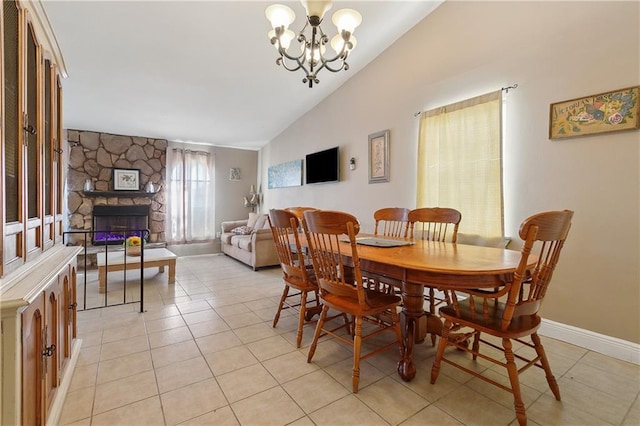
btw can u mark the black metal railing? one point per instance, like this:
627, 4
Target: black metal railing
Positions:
85, 241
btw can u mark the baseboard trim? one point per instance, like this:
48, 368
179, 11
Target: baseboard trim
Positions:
606, 345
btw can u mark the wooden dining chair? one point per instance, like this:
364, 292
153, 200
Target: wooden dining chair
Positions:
391, 221
297, 270
337, 269
510, 312
299, 211
434, 224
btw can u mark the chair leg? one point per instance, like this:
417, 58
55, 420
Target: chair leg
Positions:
553, 385
301, 317
351, 326
310, 312
476, 344
396, 326
432, 310
316, 334
444, 339
357, 343
512, 368
285, 293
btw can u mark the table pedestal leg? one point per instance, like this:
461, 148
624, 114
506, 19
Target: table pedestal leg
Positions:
414, 319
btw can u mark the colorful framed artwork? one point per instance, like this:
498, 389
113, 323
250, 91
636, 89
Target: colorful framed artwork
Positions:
379, 157
126, 179
601, 113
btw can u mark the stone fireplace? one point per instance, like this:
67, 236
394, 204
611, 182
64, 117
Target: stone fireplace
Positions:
92, 157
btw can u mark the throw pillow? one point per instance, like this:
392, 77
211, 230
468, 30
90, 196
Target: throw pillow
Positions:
241, 230
260, 222
253, 217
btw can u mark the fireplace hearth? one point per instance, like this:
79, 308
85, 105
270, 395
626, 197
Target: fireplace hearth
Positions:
113, 224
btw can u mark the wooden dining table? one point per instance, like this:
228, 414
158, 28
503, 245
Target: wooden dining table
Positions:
433, 264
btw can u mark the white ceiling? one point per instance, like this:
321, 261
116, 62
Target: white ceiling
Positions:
200, 71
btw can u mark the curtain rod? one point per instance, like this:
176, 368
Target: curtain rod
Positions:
506, 90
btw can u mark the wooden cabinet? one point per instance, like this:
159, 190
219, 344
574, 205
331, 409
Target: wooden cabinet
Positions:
39, 342
39, 347
32, 367
31, 176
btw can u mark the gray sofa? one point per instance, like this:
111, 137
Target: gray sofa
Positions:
249, 241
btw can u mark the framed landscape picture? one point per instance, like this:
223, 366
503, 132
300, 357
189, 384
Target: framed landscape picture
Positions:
604, 112
126, 179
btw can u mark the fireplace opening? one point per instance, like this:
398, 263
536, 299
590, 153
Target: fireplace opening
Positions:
114, 224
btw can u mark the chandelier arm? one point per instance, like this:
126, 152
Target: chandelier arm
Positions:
320, 67
283, 53
343, 66
299, 65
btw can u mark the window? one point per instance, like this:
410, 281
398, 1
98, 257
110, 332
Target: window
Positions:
191, 196
460, 162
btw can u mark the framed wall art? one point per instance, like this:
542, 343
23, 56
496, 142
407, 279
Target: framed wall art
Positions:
126, 179
604, 112
234, 173
285, 174
379, 157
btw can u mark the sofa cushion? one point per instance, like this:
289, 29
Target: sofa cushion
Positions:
226, 237
243, 242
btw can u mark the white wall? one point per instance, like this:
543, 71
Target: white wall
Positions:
554, 51
229, 193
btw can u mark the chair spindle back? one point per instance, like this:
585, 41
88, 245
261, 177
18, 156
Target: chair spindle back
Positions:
324, 230
284, 227
433, 223
391, 221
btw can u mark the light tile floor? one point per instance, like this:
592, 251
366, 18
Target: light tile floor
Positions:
204, 352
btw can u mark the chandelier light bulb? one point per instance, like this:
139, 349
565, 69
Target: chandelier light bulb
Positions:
317, 8
337, 42
347, 20
280, 15
316, 53
285, 38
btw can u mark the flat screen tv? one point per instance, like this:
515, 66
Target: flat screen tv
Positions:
323, 166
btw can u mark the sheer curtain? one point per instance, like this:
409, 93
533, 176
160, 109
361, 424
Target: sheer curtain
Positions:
460, 162
190, 206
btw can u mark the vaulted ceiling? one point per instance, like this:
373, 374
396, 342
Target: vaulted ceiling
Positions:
200, 71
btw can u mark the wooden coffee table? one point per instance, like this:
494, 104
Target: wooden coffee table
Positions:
114, 261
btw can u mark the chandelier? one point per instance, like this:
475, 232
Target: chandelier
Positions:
312, 40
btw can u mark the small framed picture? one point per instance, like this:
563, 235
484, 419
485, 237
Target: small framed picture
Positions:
379, 157
234, 173
126, 179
